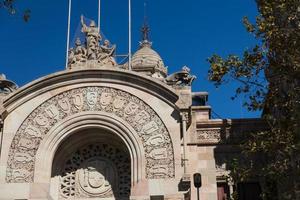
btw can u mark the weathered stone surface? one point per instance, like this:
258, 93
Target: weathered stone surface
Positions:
91, 53
152, 132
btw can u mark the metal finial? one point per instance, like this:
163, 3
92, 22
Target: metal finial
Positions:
145, 32
145, 28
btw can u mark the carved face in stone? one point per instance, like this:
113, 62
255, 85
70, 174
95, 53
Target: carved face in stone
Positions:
92, 24
78, 42
106, 43
106, 98
92, 98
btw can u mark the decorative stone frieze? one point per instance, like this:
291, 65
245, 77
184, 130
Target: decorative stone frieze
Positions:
159, 153
208, 136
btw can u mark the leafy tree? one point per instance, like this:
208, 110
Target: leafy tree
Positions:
10, 6
269, 77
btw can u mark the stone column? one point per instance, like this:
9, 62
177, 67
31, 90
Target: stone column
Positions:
184, 125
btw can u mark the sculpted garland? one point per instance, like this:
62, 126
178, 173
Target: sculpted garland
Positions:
156, 140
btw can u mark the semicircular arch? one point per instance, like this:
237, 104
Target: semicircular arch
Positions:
150, 129
83, 121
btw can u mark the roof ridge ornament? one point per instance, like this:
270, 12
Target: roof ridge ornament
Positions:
145, 30
6, 86
181, 78
93, 52
146, 60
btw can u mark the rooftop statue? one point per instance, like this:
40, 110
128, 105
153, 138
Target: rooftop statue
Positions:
91, 54
181, 78
6, 86
77, 56
107, 52
91, 31
93, 38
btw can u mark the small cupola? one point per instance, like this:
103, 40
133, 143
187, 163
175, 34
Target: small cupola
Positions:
146, 60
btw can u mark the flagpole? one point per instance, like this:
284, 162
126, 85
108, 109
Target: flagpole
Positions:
99, 7
68, 32
129, 34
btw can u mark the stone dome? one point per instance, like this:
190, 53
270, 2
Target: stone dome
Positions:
148, 61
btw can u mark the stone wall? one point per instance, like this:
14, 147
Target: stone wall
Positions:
58, 121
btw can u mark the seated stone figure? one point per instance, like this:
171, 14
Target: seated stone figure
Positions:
77, 56
106, 53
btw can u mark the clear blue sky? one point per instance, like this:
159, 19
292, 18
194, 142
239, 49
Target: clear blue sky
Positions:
183, 32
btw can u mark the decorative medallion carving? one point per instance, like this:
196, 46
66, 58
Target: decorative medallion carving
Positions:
159, 154
96, 171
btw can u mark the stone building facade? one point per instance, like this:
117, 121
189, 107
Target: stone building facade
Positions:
107, 131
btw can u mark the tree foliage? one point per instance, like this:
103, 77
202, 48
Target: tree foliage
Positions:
269, 76
10, 6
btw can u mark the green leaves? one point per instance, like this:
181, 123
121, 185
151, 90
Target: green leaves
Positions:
26, 15
269, 77
10, 6
248, 71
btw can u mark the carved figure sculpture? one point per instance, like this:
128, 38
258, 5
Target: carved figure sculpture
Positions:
90, 31
80, 52
6, 86
107, 48
181, 78
71, 56
77, 55
106, 53
91, 54
93, 38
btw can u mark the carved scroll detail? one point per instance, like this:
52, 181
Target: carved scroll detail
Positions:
159, 153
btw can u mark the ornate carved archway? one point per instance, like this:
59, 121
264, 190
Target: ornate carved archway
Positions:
92, 163
151, 131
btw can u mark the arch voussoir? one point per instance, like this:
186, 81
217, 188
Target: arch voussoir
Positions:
126, 112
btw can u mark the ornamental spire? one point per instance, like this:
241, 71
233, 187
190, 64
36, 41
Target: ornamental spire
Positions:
145, 30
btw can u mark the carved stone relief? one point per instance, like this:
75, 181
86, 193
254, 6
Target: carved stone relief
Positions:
208, 135
181, 78
159, 154
96, 171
